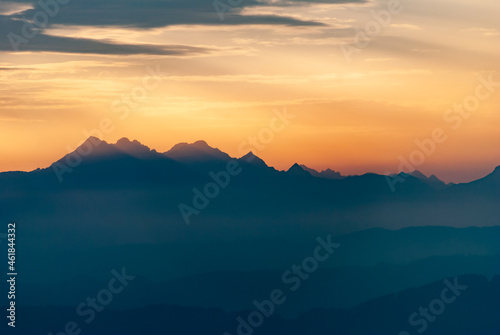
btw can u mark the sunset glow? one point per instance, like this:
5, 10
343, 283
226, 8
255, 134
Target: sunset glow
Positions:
222, 81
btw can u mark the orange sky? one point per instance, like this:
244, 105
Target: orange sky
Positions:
354, 116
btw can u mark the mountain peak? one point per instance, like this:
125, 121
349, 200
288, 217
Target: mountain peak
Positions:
494, 176
313, 172
201, 144
126, 143
91, 144
297, 170
133, 148
331, 174
328, 173
432, 181
123, 141
418, 174
434, 178
196, 152
95, 148
94, 139
251, 158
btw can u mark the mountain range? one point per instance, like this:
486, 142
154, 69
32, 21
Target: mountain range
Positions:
109, 206
128, 182
199, 155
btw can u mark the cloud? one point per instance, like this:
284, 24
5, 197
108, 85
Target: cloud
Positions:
483, 31
386, 59
9, 69
309, 2
8, 7
134, 15
162, 13
13, 29
435, 51
406, 26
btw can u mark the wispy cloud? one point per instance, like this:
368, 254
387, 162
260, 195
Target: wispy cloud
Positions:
162, 13
483, 31
406, 26
43, 42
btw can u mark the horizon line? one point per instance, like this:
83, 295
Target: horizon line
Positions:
301, 165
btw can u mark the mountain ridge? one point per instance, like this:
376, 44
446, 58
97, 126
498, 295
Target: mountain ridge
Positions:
201, 152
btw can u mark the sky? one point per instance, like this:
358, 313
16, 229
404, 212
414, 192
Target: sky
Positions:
371, 84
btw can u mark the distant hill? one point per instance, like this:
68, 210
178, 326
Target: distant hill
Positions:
474, 310
432, 181
233, 290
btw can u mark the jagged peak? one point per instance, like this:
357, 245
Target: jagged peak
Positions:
297, 170
253, 159
310, 170
327, 174
201, 143
124, 140
94, 141
418, 174
125, 143
199, 150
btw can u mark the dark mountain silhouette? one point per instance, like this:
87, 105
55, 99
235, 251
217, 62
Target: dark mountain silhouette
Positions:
199, 156
211, 272
118, 189
96, 163
328, 173
253, 167
94, 149
135, 148
400, 247
197, 152
297, 170
432, 181
489, 185
338, 287
251, 158
474, 310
